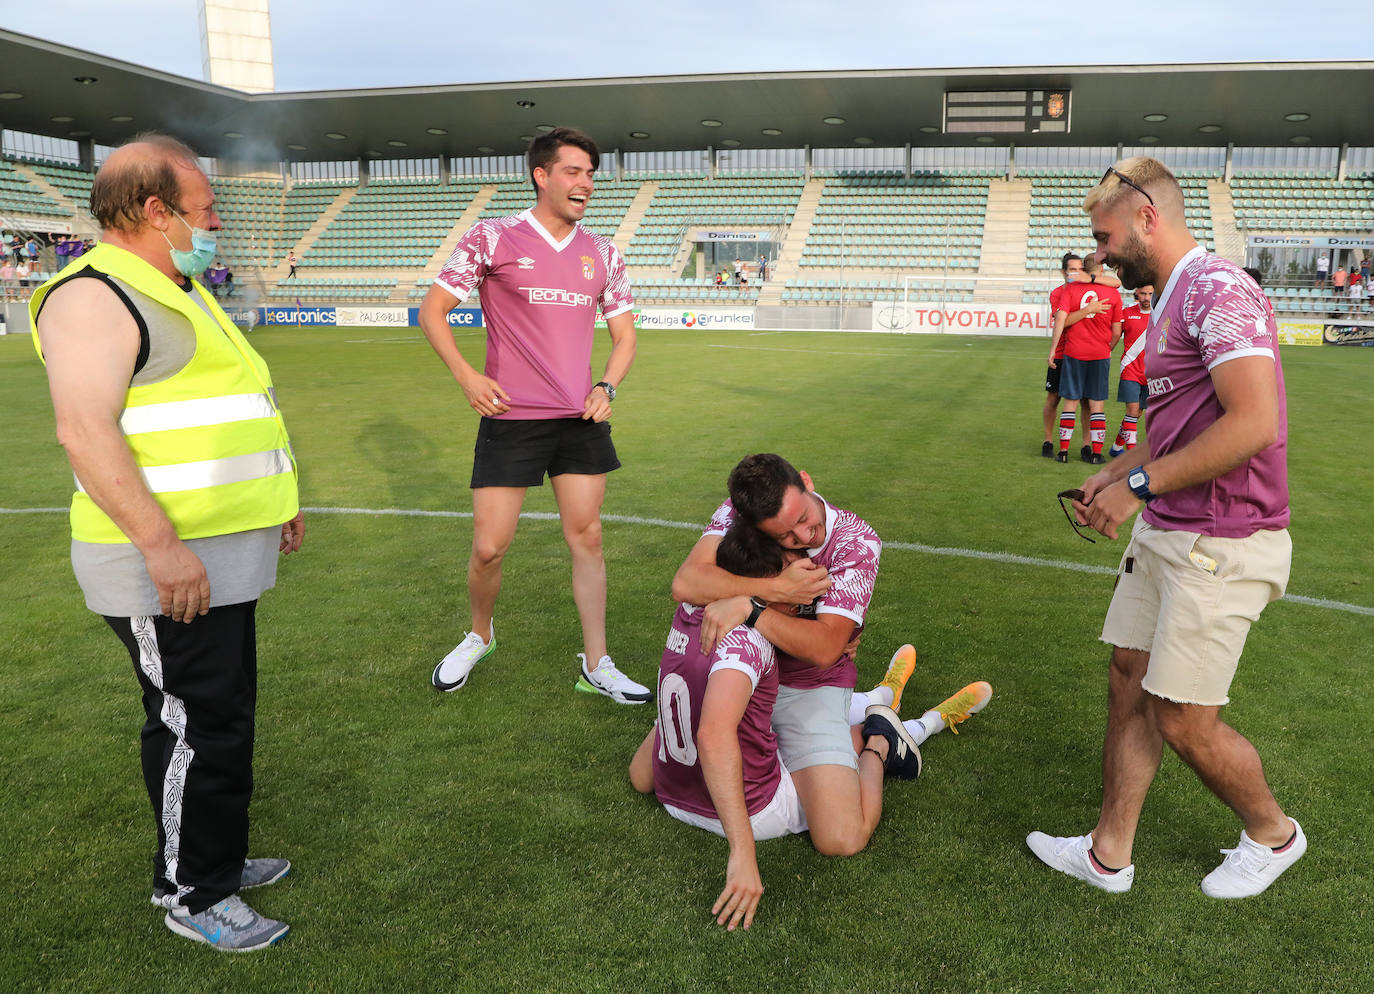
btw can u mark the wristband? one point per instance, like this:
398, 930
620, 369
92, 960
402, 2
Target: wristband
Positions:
757, 608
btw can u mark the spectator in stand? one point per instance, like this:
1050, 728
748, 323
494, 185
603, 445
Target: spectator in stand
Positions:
1338, 279
228, 283
31, 250
76, 247
763, 268
1323, 269
216, 277
739, 268
16, 248
1356, 292
8, 281
1364, 269
291, 261
1369, 294
21, 273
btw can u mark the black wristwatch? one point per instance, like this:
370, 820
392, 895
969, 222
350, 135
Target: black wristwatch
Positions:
610, 390
1139, 482
758, 609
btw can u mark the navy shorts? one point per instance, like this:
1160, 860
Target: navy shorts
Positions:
1052, 377
512, 453
1083, 379
1131, 392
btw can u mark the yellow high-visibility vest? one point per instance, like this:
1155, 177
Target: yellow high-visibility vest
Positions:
209, 441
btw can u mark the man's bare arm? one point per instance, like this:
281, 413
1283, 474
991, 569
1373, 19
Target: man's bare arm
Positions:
90, 344
722, 767
1247, 389
700, 581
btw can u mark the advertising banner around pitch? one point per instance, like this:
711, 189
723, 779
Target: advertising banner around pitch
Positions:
707, 318
373, 317
305, 317
1300, 332
934, 318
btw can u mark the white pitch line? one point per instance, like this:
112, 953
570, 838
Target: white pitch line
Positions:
630, 519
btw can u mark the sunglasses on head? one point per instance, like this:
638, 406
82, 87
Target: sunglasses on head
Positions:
1113, 171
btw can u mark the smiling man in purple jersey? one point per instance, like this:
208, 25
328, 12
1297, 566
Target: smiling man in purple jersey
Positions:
816, 705
543, 277
712, 756
1209, 550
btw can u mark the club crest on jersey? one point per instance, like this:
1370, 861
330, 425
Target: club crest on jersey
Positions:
1163, 336
588, 268
525, 262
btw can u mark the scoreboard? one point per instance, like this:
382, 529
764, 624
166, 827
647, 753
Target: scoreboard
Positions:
1007, 112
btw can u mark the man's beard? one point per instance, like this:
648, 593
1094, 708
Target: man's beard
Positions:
1134, 264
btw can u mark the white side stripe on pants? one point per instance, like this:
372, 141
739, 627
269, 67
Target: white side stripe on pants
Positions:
173, 715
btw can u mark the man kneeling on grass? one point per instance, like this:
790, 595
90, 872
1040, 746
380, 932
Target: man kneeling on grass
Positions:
712, 757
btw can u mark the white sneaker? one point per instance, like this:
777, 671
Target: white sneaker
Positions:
1070, 855
1250, 868
452, 671
608, 680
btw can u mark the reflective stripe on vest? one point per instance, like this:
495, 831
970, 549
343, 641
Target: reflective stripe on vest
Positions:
212, 472
196, 413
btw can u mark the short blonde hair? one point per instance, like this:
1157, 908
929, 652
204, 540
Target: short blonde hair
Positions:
1150, 174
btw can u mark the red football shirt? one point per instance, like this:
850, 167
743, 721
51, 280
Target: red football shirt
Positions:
1134, 321
1056, 295
1090, 338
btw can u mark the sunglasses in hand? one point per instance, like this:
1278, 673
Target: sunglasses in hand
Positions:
1066, 499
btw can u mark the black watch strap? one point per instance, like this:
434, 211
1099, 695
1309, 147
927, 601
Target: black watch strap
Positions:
757, 608
610, 390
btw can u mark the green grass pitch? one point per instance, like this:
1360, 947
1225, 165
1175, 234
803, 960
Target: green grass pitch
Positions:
488, 840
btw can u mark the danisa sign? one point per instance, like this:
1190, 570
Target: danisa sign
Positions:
1309, 241
711, 235
918, 317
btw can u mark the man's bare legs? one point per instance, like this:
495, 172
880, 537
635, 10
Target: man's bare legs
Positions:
842, 807
579, 499
1050, 415
1130, 757
495, 514
1227, 763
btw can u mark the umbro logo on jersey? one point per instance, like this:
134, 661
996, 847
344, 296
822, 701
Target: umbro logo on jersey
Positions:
552, 295
526, 262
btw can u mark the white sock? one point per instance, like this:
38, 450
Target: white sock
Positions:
881, 695
858, 704
925, 726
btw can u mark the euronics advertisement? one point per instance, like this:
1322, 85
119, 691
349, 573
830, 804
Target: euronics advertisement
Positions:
933, 318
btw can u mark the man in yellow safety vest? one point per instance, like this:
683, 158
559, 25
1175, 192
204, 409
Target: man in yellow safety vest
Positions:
185, 496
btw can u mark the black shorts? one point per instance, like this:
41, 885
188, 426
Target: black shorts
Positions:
1052, 378
512, 453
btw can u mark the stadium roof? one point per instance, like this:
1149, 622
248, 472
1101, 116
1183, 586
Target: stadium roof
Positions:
66, 92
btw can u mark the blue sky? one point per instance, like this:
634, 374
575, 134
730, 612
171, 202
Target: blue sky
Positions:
346, 43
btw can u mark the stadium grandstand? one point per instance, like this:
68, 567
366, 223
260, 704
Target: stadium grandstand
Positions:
839, 208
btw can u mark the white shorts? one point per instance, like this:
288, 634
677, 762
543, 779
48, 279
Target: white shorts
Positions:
783, 815
1189, 600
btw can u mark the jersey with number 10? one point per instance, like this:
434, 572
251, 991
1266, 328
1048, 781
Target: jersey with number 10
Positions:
682, 677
